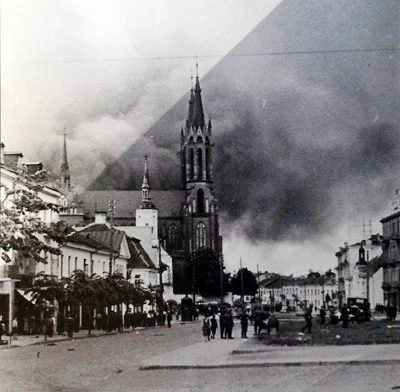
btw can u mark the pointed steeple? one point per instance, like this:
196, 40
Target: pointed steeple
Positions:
146, 188
65, 175
198, 113
191, 102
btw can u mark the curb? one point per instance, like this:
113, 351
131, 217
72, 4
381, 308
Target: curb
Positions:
271, 364
42, 342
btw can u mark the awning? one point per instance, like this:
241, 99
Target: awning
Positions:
28, 296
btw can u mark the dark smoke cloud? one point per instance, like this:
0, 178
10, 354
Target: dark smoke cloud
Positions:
303, 142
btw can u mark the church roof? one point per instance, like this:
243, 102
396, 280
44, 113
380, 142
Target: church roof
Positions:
139, 257
169, 203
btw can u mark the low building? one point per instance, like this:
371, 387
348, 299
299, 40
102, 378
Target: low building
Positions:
391, 256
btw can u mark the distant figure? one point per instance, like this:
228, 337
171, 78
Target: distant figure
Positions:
169, 318
15, 329
244, 323
308, 319
344, 316
222, 324
50, 326
214, 326
229, 324
257, 317
70, 325
322, 315
206, 329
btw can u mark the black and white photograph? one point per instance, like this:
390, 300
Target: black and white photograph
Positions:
200, 195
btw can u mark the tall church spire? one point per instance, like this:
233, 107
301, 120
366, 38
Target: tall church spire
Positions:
65, 175
198, 113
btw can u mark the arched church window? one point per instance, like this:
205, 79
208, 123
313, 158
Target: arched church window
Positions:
200, 163
200, 201
173, 236
201, 236
191, 173
208, 160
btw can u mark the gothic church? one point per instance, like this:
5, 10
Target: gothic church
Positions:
187, 217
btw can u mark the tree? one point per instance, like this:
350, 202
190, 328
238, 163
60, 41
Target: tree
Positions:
250, 285
206, 273
22, 228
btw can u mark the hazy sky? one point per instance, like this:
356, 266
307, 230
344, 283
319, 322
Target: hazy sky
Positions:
107, 71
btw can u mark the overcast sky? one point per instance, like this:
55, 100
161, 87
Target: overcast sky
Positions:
107, 71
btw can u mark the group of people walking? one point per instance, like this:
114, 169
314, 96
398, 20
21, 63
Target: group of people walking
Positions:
226, 324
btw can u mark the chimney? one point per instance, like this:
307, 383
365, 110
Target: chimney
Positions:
100, 217
13, 160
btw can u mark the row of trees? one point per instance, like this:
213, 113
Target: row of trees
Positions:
91, 292
206, 273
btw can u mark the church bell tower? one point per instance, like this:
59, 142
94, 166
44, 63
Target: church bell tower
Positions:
201, 218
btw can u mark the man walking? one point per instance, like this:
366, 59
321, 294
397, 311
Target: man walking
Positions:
214, 326
244, 322
308, 319
222, 323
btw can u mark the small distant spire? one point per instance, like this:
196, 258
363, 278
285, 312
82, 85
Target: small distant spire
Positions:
146, 188
65, 174
146, 181
198, 113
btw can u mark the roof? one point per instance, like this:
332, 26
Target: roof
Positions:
139, 257
390, 217
375, 264
168, 203
101, 235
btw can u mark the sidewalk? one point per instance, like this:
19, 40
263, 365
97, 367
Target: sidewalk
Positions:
31, 340
239, 353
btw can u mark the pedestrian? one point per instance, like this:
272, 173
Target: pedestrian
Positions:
206, 329
70, 321
229, 324
257, 317
244, 323
51, 321
99, 321
344, 315
15, 329
222, 323
308, 319
214, 326
169, 318
322, 315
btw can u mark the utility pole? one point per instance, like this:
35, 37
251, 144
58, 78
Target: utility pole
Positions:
367, 276
241, 280
221, 272
161, 299
258, 284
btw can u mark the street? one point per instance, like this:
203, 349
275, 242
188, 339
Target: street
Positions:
111, 363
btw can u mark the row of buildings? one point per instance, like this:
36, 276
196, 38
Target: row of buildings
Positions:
145, 235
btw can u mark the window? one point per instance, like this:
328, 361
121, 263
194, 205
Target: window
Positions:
76, 263
173, 236
200, 201
69, 265
199, 163
85, 267
61, 265
191, 174
138, 281
201, 235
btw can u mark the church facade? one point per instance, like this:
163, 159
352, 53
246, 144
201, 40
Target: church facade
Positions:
187, 217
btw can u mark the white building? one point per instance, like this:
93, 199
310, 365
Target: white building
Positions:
14, 177
356, 263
